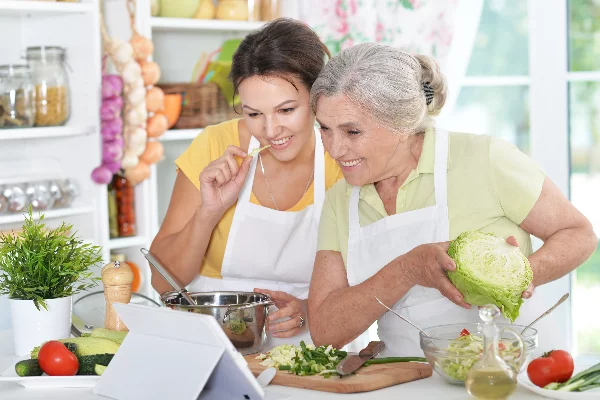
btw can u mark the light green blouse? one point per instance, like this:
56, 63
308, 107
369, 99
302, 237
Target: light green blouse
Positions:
492, 186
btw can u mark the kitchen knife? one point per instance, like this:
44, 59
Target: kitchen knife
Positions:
353, 362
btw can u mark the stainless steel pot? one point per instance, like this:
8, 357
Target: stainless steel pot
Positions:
242, 315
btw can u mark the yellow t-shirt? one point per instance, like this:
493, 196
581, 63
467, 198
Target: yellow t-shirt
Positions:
207, 147
492, 186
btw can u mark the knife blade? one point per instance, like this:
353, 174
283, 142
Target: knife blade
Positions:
351, 363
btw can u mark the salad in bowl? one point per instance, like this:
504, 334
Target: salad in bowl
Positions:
453, 349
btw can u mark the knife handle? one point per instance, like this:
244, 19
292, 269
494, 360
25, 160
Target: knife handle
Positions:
372, 349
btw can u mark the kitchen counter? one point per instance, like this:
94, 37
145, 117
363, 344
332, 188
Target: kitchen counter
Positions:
430, 388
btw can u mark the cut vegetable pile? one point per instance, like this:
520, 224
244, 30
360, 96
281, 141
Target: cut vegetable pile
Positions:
304, 359
307, 359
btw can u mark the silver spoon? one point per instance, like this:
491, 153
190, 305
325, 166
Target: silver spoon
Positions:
170, 279
558, 303
401, 317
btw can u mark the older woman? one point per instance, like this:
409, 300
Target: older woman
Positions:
410, 188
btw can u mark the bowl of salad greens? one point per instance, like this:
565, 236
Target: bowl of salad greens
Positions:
453, 349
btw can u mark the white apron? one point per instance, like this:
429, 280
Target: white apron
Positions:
372, 247
270, 249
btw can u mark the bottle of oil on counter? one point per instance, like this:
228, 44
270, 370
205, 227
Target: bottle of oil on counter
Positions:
491, 377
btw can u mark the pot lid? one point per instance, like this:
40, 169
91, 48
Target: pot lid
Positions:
89, 311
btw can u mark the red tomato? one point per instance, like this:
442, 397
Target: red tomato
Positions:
56, 360
554, 366
464, 332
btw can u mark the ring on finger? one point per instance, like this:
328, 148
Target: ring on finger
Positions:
301, 321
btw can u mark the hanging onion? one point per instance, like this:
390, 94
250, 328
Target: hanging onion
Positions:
153, 153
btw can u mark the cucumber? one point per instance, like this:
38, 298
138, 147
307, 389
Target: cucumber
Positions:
99, 369
28, 368
115, 336
87, 364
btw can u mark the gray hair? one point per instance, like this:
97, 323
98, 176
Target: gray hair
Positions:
385, 82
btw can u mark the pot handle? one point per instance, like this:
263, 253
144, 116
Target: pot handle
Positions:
260, 303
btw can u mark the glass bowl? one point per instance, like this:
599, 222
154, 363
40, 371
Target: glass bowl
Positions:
453, 364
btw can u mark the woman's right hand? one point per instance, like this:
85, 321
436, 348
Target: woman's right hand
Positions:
222, 180
426, 265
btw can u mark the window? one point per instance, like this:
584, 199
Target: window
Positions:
493, 99
584, 138
533, 79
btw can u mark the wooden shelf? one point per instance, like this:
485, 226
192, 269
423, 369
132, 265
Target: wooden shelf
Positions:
49, 214
180, 134
123, 243
193, 24
45, 132
25, 8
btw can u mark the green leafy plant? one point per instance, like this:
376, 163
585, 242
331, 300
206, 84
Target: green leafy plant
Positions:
41, 263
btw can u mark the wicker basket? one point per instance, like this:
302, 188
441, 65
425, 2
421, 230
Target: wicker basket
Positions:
203, 105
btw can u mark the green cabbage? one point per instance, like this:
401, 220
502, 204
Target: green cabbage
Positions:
490, 271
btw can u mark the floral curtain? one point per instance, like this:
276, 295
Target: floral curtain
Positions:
444, 30
415, 26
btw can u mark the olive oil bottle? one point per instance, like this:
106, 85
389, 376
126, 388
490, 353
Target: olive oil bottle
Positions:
491, 383
490, 378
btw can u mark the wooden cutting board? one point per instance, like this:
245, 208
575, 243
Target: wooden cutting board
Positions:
369, 378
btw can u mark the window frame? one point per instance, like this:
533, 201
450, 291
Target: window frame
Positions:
548, 81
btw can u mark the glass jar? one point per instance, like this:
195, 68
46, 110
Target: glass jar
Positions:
232, 10
17, 108
3, 201
125, 206
270, 10
52, 92
113, 225
254, 10
16, 198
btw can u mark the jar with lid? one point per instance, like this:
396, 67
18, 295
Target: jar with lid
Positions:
124, 194
52, 91
16, 97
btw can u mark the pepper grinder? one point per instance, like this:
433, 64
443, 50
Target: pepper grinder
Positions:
117, 278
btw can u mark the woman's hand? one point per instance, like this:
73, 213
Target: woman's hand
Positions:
289, 307
529, 291
222, 180
426, 265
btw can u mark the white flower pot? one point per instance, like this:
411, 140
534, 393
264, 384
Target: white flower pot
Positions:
32, 327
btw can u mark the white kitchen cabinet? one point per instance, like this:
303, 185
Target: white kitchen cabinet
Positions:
76, 146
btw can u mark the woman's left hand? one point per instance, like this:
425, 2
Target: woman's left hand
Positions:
288, 307
529, 291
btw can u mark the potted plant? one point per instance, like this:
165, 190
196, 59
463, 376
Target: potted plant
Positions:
40, 270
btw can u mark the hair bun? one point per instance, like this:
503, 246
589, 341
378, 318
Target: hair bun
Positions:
431, 74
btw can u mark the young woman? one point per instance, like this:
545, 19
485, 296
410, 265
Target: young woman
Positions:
243, 223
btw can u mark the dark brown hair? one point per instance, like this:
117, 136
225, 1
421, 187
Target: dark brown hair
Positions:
283, 47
